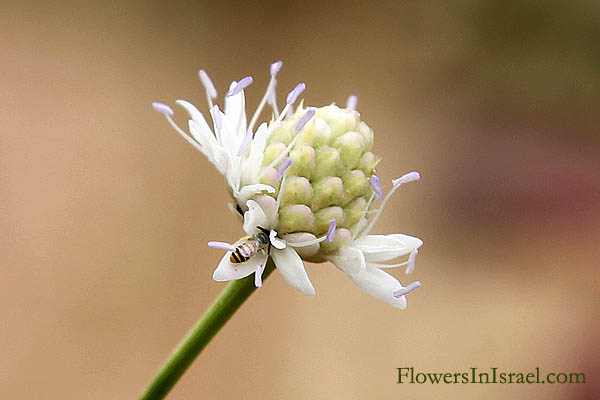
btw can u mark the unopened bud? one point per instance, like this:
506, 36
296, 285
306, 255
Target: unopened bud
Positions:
295, 218
324, 216
367, 163
328, 192
351, 145
272, 151
304, 161
297, 190
328, 162
353, 211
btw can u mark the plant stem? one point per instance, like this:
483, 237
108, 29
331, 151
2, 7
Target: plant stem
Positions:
224, 306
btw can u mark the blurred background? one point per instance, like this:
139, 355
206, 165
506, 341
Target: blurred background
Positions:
105, 211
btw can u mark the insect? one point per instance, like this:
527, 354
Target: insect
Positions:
249, 246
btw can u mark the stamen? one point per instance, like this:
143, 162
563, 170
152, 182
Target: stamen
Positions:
207, 83
245, 143
293, 95
406, 290
269, 95
272, 98
162, 108
411, 261
376, 185
285, 164
410, 177
352, 102
330, 237
308, 242
185, 135
241, 85
280, 194
221, 246
275, 67
305, 118
215, 113
258, 275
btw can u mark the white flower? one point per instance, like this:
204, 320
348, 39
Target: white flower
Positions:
233, 148
364, 257
263, 213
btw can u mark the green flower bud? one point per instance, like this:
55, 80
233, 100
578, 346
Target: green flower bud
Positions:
272, 152
367, 163
328, 163
283, 133
367, 134
355, 184
329, 176
297, 190
351, 145
295, 218
352, 212
339, 120
328, 192
304, 161
316, 133
324, 216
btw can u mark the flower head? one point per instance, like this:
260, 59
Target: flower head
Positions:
305, 184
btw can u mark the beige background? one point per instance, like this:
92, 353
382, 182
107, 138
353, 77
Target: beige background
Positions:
105, 212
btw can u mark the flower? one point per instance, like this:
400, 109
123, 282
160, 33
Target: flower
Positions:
307, 181
263, 214
363, 257
234, 148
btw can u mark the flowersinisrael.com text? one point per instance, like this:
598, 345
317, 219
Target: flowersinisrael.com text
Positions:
488, 376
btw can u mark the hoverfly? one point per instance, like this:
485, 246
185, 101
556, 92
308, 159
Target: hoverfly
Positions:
249, 246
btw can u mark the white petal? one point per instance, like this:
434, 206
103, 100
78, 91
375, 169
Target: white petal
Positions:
291, 267
191, 109
269, 206
379, 284
253, 163
349, 259
386, 247
235, 111
246, 192
278, 244
254, 217
228, 271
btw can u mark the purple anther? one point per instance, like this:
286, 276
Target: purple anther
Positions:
410, 177
352, 102
258, 275
162, 108
376, 185
207, 83
406, 290
245, 143
410, 267
305, 118
293, 95
215, 113
241, 85
221, 246
330, 237
275, 67
285, 164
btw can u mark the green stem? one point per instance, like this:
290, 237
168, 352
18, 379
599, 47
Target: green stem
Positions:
230, 299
